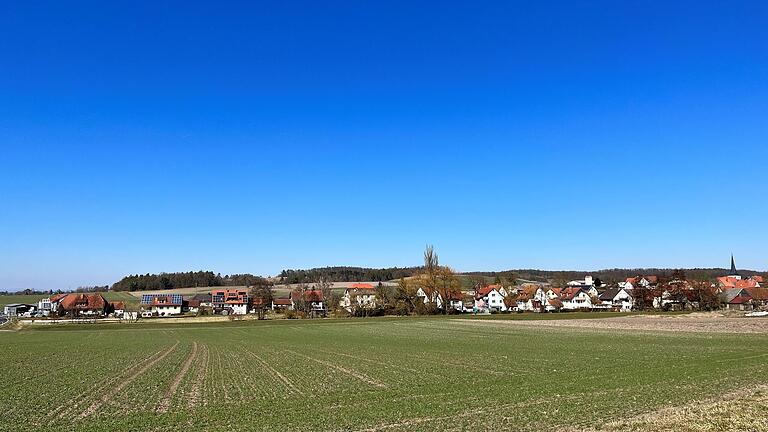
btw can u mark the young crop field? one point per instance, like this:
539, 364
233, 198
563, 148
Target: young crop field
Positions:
407, 374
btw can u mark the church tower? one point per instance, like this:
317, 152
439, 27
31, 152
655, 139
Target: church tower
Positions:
734, 273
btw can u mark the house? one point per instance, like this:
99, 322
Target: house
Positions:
588, 284
282, 303
491, 298
617, 299
203, 299
80, 304
430, 297
745, 299
162, 304
54, 301
191, 306
359, 295
230, 301
527, 299
117, 308
456, 301
639, 281
575, 298
312, 298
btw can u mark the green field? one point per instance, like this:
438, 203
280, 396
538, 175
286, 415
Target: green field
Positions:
368, 374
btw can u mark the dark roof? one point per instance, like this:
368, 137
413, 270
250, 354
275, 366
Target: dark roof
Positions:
161, 299
609, 294
202, 298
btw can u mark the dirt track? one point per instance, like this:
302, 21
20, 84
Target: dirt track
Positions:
698, 323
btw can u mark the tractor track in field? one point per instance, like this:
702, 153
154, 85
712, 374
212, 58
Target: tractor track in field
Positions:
165, 402
202, 369
351, 372
276, 374
72, 404
129, 379
381, 363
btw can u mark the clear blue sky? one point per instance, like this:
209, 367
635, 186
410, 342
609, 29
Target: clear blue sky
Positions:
255, 136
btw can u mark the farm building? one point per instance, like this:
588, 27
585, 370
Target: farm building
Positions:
16, 309
744, 299
230, 301
162, 304
82, 305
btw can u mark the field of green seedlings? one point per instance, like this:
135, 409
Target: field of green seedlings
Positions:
359, 375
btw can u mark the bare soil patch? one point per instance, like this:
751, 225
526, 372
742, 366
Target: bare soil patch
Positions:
696, 323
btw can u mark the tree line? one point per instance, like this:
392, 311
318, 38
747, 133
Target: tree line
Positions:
347, 274
163, 281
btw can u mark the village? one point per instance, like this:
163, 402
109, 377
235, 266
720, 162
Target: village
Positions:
643, 292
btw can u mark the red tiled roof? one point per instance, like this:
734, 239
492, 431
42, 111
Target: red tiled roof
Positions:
758, 293
83, 302
57, 297
455, 295
231, 296
740, 300
482, 292
117, 305
361, 286
570, 293
258, 301
758, 278
282, 301
308, 295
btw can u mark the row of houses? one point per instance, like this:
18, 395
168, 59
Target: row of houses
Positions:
73, 304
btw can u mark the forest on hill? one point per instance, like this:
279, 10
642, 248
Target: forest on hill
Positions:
161, 281
346, 274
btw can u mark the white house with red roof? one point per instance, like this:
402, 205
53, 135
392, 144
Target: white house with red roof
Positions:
359, 295
575, 298
162, 304
491, 298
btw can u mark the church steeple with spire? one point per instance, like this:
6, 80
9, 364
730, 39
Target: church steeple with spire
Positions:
734, 273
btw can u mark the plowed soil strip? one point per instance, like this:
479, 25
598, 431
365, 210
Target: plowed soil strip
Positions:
165, 403
362, 377
119, 387
276, 374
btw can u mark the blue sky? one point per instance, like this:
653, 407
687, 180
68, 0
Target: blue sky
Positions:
255, 136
